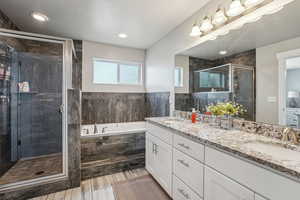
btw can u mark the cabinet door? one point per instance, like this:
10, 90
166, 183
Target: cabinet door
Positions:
219, 187
163, 164
150, 154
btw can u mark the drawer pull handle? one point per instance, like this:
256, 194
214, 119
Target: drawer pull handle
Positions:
184, 163
186, 195
184, 146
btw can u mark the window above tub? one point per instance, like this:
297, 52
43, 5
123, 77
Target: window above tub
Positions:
116, 72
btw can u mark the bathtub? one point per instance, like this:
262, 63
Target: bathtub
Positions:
113, 129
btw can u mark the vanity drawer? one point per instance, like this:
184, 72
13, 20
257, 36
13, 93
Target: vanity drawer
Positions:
189, 170
162, 133
189, 147
182, 191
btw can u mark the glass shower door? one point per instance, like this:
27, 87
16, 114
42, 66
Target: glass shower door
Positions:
31, 117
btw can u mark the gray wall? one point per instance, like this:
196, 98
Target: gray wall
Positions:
267, 79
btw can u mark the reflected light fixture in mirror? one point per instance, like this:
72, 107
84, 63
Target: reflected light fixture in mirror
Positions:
252, 3
122, 35
219, 17
206, 25
236, 8
39, 16
223, 52
195, 31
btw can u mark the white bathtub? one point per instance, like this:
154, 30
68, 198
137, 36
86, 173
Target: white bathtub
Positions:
113, 129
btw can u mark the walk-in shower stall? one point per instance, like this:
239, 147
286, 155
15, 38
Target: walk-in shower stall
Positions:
33, 85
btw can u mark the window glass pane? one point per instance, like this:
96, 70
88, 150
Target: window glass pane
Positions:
105, 72
129, 74
178, 77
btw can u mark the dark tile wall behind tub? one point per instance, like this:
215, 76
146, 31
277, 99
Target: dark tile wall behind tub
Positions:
157, 104
99, 107
110, 154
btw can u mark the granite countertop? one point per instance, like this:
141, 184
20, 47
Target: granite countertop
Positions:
274, 154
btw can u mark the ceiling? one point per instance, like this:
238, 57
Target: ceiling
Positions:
270, 29
144, 21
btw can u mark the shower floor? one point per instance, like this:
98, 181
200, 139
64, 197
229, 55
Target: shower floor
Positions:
33, 168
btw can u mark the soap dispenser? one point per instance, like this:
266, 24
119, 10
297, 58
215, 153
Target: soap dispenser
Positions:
193, 116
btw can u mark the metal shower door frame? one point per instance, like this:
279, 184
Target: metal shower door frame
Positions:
68, 48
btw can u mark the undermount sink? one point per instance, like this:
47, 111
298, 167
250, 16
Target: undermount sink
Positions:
277, 151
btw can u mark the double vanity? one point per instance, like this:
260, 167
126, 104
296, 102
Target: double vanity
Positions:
200, 162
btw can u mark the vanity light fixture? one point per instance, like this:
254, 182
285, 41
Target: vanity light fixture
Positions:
223, 52
210, 32
219, 17
206, 25
236, 8
252, 3
39, 16
195, 31
122, 35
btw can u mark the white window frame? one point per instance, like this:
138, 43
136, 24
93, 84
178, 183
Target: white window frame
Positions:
181, 69
119, 62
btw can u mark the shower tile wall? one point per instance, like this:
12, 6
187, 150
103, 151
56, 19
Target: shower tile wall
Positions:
40, 121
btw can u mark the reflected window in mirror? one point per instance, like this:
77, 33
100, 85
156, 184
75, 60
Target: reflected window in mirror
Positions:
178, 76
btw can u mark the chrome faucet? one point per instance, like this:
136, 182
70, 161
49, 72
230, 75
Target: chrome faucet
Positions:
95, 129
103, 129
291, 135
87, 130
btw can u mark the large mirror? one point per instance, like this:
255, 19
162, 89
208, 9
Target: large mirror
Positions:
256, 66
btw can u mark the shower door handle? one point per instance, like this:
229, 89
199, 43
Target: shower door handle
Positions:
61, 109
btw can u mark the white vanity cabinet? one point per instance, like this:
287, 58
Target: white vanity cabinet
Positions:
159, 160
218, 186
189, 170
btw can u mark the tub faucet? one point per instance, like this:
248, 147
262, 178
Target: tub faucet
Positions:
95, 129
87, 130
103, 129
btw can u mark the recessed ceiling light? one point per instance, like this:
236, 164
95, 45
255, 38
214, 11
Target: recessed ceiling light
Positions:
39, 17
223, 52
122, 35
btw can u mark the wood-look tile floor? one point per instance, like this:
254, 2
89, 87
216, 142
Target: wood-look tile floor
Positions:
99, 188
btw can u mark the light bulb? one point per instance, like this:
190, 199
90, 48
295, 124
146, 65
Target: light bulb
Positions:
252, 3
219, 18
236, 8
39, 16
195, 31
206, 25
